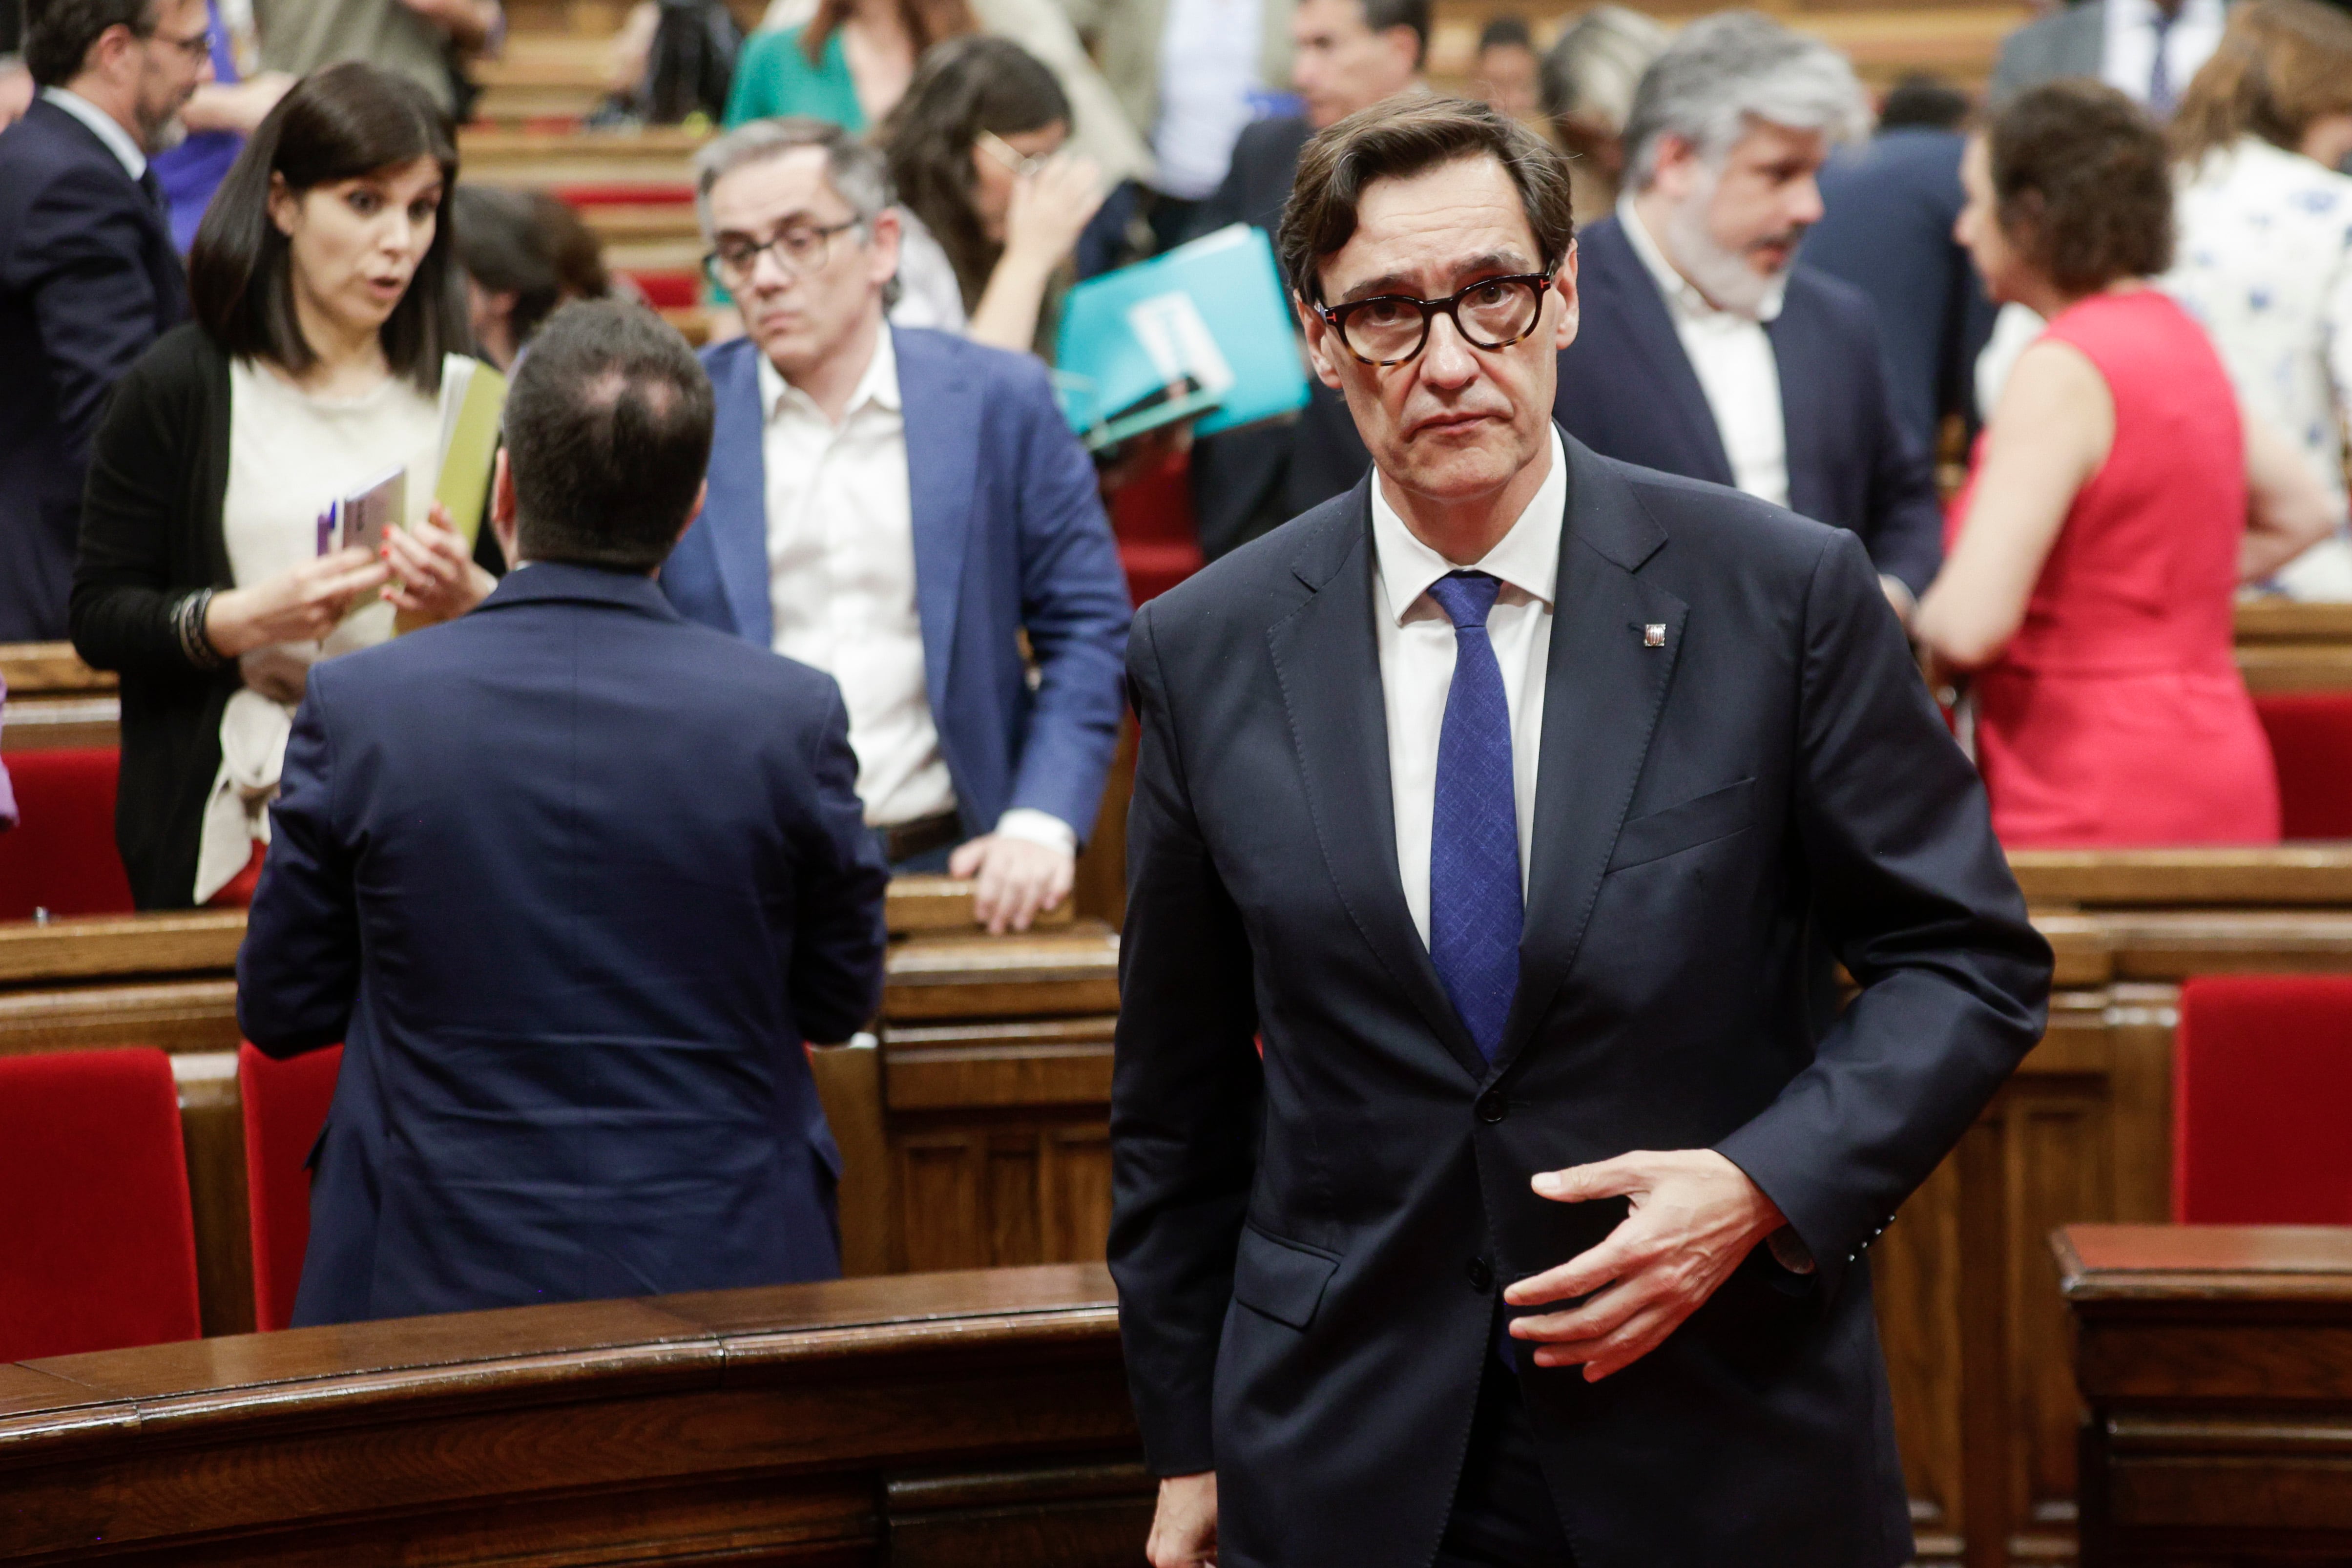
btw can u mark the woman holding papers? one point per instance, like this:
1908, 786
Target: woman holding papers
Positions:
992, 205
242, 454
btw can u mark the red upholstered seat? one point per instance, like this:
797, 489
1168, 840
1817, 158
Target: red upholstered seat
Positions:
669, 290
1153, 569
98, 1250
2311, 738
622, 194
285, 1106
60, 856
1153, 516
2262, 1089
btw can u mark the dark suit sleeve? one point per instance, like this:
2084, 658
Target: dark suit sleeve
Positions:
1915, 896
1075, 605
80, 259
1906, 516
1229, 203
124, 591
1185, 1097
837, 925
298, 973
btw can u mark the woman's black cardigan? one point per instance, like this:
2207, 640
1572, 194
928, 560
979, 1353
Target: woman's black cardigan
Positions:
150, 535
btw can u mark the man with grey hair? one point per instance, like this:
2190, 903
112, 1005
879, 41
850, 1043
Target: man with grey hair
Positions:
895, 507
1706, 349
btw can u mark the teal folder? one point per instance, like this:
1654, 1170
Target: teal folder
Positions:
1203, 328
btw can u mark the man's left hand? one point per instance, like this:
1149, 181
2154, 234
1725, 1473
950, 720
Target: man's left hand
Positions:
1018, 879
1696, 1216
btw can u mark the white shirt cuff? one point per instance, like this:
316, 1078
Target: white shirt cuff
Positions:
1039, 827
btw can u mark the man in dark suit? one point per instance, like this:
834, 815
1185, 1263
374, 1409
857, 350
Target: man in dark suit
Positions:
1706, 349
2148, 49
88, 275
1888, 208
1349, 55
897, 508
1520, 802
572, 880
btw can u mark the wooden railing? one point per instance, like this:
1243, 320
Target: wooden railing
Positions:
968, 1419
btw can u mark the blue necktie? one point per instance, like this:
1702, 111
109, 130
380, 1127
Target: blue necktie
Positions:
2160, 96
1475, 912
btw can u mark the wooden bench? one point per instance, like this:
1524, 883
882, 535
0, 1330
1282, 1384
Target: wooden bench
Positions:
2284, 646
55, 700
942, 1421
2214, 1366
170, 981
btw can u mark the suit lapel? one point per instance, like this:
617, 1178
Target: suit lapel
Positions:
1338, 724
1803, 428
735, 510
938, 392
1628, 288
1603, 693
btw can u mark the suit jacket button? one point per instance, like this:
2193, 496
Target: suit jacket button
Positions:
1491, 1107
1481, 1276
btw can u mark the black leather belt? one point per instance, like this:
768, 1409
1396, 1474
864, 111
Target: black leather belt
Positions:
905, 841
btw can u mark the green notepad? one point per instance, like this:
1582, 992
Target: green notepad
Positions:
473, 399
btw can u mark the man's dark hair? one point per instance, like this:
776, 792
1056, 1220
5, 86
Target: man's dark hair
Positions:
338, 123
2082, 183
505, 249
59, 33
608, 433
1380, 16
1508, 32
1401, 137
1924, 103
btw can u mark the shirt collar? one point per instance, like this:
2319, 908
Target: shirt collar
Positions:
103, 126
1682, 296
879, 386
1526, 558
2122, 15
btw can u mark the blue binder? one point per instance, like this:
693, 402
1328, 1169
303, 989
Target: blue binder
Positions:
1203, 328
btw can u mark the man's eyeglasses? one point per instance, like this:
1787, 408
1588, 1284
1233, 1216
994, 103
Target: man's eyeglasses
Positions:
196, 48
1390, 329
799, 250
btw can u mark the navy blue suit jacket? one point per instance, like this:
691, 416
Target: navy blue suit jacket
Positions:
1887, 230
1009, 535
1310, 1245
571, 880
1627, 390
88, 280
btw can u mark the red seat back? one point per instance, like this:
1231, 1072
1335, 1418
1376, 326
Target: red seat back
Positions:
98, 1248
61, 857
2262, 1088
2311, 738
285, 1106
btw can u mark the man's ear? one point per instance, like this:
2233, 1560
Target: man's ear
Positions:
502, 507
1321, 344
1563, 283
1672, 164
885, 232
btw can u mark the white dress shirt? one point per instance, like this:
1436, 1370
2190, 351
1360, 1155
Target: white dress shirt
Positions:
1417, 652
2128, 55
841, 585
1733, 359
102, 125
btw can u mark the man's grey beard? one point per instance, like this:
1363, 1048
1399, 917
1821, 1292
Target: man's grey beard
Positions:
158, 139
1723, 276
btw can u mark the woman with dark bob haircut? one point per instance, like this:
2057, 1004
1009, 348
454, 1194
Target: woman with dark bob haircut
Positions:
325, 302
2118, 499
992, 205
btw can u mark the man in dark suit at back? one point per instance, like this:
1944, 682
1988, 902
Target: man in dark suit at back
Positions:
88, 275
1705, 348
1350, 55
1521, 804
573, 879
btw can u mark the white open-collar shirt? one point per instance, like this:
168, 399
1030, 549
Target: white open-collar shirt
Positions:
1417, 643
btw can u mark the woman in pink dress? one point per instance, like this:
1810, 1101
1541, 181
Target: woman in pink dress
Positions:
2118, 499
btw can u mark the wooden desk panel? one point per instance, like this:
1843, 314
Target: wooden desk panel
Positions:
800, 1424
2214, 1366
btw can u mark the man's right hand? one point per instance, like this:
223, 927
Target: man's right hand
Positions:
1184, 1526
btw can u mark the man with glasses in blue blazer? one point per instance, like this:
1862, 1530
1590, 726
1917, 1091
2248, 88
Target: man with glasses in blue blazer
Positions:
897, 508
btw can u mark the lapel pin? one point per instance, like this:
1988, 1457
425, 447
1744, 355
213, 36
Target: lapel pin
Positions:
1655, 635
